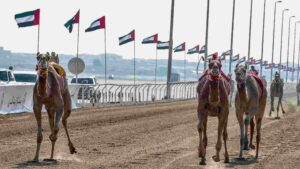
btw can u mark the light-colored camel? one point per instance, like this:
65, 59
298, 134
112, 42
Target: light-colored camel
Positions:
250, 100
51, 90
276, 90
231, 89
213, 90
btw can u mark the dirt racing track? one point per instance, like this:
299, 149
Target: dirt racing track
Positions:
154, 136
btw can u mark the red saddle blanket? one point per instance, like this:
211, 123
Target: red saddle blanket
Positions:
222, 74
259, 82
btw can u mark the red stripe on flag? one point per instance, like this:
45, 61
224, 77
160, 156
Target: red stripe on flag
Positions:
76, 20
102, 22
132, 34
183, 46
155, 40
36, 20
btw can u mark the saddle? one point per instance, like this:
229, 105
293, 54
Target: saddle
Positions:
259, 82
59, 69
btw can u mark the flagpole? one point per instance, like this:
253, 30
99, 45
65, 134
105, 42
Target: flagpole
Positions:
105, 61
184, 66
134, 68
38, 39
155, 66
77, 55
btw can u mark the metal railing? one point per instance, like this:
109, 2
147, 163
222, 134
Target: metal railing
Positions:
109, 94
97, 95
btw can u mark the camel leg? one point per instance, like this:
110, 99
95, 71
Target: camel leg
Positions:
278, 104
51, 113
53, 136
67, 112
251, 133
258, 127
240, 120
205, 134
283, 112
38, 116
225, 137
221, 123
272, 106
201, 153
246, 124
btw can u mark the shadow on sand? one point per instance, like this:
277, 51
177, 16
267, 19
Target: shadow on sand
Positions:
239, 162
30, 164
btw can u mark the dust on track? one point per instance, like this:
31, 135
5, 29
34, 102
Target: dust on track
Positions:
159, 135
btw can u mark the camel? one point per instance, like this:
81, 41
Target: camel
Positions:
250, 100
276, 90
298, 91
51, 90
213, 90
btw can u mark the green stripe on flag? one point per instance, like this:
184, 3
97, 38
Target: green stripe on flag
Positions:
21, 15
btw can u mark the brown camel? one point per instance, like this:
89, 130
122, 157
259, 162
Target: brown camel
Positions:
51, 90
213, 90
250, 100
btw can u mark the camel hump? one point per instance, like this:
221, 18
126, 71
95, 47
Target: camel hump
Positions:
259, 82
59, 69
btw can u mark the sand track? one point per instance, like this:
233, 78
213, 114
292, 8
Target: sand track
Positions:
160, 135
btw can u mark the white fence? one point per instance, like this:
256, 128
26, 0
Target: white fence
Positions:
98, 95
18, 98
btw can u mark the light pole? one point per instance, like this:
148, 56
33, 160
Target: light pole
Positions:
206, 34
231, 42
288, 51
298, 62
273, 44
281, 37
263, 37
294, 49
250, 27
170, 51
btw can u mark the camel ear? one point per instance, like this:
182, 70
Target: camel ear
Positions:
38, 57
52, 53
47, 56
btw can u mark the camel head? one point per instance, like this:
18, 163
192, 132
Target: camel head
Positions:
214, 83
42, 64
277, 77
54, 58
240, 74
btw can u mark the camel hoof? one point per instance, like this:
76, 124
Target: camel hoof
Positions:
252, 146
277, 118
72, 149
202, 161
226, 160
216, 158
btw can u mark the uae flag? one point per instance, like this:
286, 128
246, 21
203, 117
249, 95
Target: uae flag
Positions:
226, 53
235, 58
257, 62
127, 38
162, 45
193, 50
269, 66
72, 21
29, 18
180, 48
243, 59
222, 57
151, 39
203, 49
265, 63
97, 24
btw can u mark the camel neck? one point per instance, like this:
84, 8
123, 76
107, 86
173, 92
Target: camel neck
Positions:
42, 86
